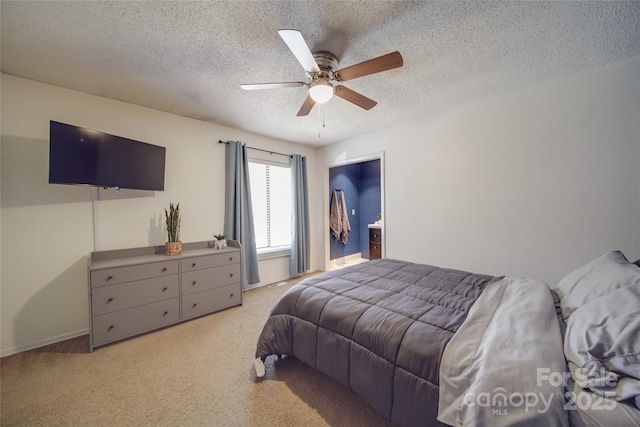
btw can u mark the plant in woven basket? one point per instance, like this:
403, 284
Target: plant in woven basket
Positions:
173, 246
172, 218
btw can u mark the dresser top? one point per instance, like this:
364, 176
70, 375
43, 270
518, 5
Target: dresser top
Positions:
133, 256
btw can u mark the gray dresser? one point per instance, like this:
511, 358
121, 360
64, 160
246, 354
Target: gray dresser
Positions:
133, 291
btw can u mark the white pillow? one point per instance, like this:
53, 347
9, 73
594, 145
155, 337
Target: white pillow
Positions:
603, 341
600, 277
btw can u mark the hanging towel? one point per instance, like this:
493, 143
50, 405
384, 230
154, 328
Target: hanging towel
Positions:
346, 226
335, 216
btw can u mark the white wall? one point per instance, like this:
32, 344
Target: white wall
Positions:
47, 230
530, 184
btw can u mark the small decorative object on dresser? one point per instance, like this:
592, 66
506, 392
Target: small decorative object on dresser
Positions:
172, 217
220, 242
379, 221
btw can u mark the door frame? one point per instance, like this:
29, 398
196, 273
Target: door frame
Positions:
344, 162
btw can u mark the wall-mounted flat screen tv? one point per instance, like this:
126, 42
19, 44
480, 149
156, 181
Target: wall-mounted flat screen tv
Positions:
83, 156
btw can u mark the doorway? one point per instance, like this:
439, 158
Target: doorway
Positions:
358, 184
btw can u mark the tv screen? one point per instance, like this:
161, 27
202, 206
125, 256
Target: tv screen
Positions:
83, 156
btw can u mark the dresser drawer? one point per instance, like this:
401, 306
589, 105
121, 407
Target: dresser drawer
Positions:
375, 251
375, 235
112, 276
211, 300
121, 324
107, 299
202, 280
208, 261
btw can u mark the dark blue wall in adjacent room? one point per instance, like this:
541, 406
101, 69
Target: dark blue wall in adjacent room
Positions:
360, 183
370, 201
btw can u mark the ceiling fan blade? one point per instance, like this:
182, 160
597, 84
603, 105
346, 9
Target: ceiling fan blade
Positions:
306, 106
257, 86
297, 45
375, 65
355, 98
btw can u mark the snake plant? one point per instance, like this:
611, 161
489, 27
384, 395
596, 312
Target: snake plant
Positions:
172, 218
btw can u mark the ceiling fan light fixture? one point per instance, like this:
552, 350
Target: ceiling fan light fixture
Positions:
320, 68
321, 91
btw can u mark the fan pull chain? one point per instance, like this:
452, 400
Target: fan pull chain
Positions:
322, 114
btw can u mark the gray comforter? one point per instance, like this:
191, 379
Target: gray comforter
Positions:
378, 328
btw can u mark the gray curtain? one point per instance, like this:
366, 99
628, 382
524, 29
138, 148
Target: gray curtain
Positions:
300, 245
238, 214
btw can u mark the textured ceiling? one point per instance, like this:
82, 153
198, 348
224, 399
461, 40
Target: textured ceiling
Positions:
189, 58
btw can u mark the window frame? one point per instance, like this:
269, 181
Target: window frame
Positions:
278, 251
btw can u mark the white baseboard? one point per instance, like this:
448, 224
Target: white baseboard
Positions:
26, 347
273, 281
346, 259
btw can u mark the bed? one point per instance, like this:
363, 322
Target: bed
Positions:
425, 345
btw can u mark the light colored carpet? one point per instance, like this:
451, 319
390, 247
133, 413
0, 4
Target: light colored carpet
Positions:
198, 373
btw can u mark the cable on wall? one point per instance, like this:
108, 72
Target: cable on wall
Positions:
95, 198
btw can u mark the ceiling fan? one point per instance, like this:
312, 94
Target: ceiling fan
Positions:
319, 67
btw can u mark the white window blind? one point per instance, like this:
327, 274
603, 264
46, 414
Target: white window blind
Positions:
271, 202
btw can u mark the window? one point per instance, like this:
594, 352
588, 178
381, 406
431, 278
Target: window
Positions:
271, 202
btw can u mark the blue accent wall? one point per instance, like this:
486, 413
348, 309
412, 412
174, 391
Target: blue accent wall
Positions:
370, 201
348, 179
361, 185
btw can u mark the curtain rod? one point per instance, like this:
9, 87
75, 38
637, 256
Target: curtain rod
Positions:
258, 149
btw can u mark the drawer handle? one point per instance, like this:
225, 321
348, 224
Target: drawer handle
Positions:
194, 305
110, 328
194, 283
165, 313
164, 269
231, 296
109, 300
193, 265
109, 278
230, 258
164, 289
231, 275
